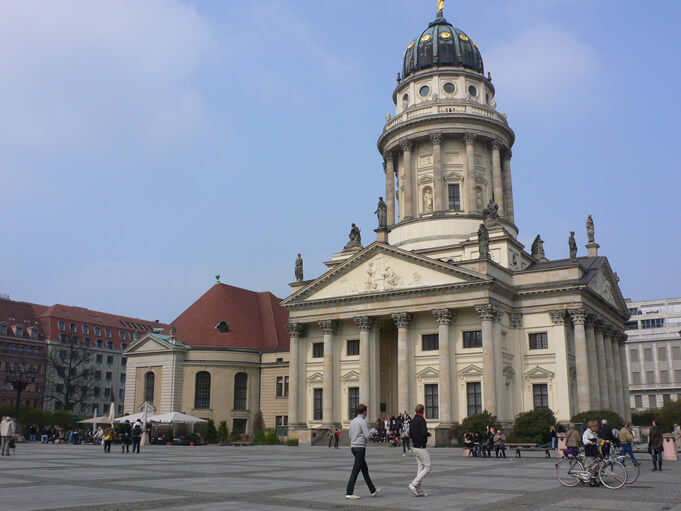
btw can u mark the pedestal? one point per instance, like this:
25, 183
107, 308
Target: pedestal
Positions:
669, 453
592, 249
382, 234
441, 435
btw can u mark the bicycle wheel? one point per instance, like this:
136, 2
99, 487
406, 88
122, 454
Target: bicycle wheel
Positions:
633, 470
567, 471
612, 474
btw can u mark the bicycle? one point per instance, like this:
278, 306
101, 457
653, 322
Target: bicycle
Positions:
633, 469
571, 471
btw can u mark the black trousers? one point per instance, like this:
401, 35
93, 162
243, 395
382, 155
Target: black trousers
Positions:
360, 465
136, 444
107, 445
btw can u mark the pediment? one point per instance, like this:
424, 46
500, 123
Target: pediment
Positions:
470, 371
428, 374
605, 285
315, 378
381, 268
538, 373
350, 376
150, 343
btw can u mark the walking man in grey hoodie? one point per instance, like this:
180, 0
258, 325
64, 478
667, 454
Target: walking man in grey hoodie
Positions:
359, 434
7, 432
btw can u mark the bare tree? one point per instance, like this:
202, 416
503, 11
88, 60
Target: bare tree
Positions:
71, 382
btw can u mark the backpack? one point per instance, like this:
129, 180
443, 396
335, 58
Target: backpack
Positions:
137, 429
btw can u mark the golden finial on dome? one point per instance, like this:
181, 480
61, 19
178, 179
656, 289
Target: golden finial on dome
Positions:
440, 8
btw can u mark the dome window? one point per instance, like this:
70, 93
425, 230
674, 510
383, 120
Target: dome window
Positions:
472, 90
445, 35
411, 45
222, 327
463, 37
405, 101
424, 91
449, 88
426, 38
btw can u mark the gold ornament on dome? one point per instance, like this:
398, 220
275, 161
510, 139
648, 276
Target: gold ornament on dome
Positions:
475, 44
463, 37
445, 35
411, 45
440, 8
426, 37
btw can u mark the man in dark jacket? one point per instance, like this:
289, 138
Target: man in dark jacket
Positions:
418, 432
605, 433
126, 433
655, 446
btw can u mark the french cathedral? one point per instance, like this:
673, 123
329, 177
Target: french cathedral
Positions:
446, 307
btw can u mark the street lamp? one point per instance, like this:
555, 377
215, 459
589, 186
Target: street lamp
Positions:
20, 377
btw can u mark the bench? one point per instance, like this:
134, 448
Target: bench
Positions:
529, 447
242, 443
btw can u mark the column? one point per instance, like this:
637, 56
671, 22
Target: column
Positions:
469, 141
488, 314
444, 317
389, 161
402, 321
618, 373
496, 173
562, 387
365, 324
408, 208
295, 331
508, 185
610, 369
602, 371
594, 383
625, 378
328, 327
578, 320
438, 186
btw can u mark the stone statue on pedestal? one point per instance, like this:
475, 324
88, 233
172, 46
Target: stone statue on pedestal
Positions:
355, 238
299, 269
483, 242
490, 214
382, 213
573, 246
590, 231
538, 248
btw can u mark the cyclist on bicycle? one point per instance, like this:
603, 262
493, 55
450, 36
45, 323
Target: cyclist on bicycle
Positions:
590, 441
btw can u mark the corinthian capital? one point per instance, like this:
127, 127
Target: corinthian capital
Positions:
488, 312
469, 138
557, 317
328, 326
365, 323
407, 145
497, 144
388, 156
578, 316
436, 138
296, 329
402, 319
443, 316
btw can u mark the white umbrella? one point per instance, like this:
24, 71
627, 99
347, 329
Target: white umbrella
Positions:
132, 418
112, 411
95, 420
175, 418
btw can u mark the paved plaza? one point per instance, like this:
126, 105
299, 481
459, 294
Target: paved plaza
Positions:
281, 478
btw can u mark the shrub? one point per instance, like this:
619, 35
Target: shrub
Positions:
208, 432
193, 438
669, 414
270, 436
479, 422
645, 417
614, 420
169, 436
64, 418
258, 422
292, 441
223, 433
533, 426
234, 437
259, 437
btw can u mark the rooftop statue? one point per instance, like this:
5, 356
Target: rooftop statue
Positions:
538, 248
590, 229
491, 212
483, 242
573, 246
299, 269
382, 213
355, 238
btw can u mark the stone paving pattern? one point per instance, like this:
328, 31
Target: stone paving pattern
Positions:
277, 478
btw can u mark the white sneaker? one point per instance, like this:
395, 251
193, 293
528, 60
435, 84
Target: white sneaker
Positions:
422, 494
352, 497
375, 494
404, 454
413, 490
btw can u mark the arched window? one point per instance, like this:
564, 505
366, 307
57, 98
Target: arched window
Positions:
149, 387
202, 390
240, 385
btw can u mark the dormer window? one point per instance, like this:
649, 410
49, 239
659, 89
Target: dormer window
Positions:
19, 331
222, 327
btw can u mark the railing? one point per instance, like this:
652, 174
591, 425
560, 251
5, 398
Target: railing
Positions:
444, 107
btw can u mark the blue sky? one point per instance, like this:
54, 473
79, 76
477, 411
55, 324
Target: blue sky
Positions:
146, 146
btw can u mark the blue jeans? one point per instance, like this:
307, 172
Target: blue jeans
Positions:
626, 449
657, 456
405, 445
360, 465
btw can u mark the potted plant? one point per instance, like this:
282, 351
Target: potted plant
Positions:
193, 439
169, 437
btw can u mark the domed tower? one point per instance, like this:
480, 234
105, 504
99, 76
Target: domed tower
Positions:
447, 146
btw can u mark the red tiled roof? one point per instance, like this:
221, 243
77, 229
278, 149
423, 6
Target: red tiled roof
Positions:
20, 313
256, 320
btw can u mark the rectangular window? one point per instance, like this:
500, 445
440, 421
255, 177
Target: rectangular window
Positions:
120, 393
121, 335
454, 197
472, 339
633, 311
318, 350
633, 354
20, 331
280, 386
540, 393
677, 376
432, 402
109, 344
87, 341
676, 352
98, 375
539, 341
636, 378
5, 347
279, 420
107, 392
648, 354
650, 377
652, 401
3, 329
99, 359
631, 325
74, 339
36, 350
109, 376
73, 327
666, 398
353, 348
664, 376
353, 401
473, 398
652, 323
317, 404
107, 332
13, 348
638, 401
98, 331
239, 426
29, 350
63, 338
662, 353
21, 349
86, 329
430, 342
109, 360
285, 386
34, 333
122, 377
61, 326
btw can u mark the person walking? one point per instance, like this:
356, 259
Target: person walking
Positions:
572, 439
108, 438
336, 437
359, 434
418, 432
404, 435
499, 443
7, 433
137, 430
554, 437
677, 436
655, 440
605, 434
626, 438
126, 433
